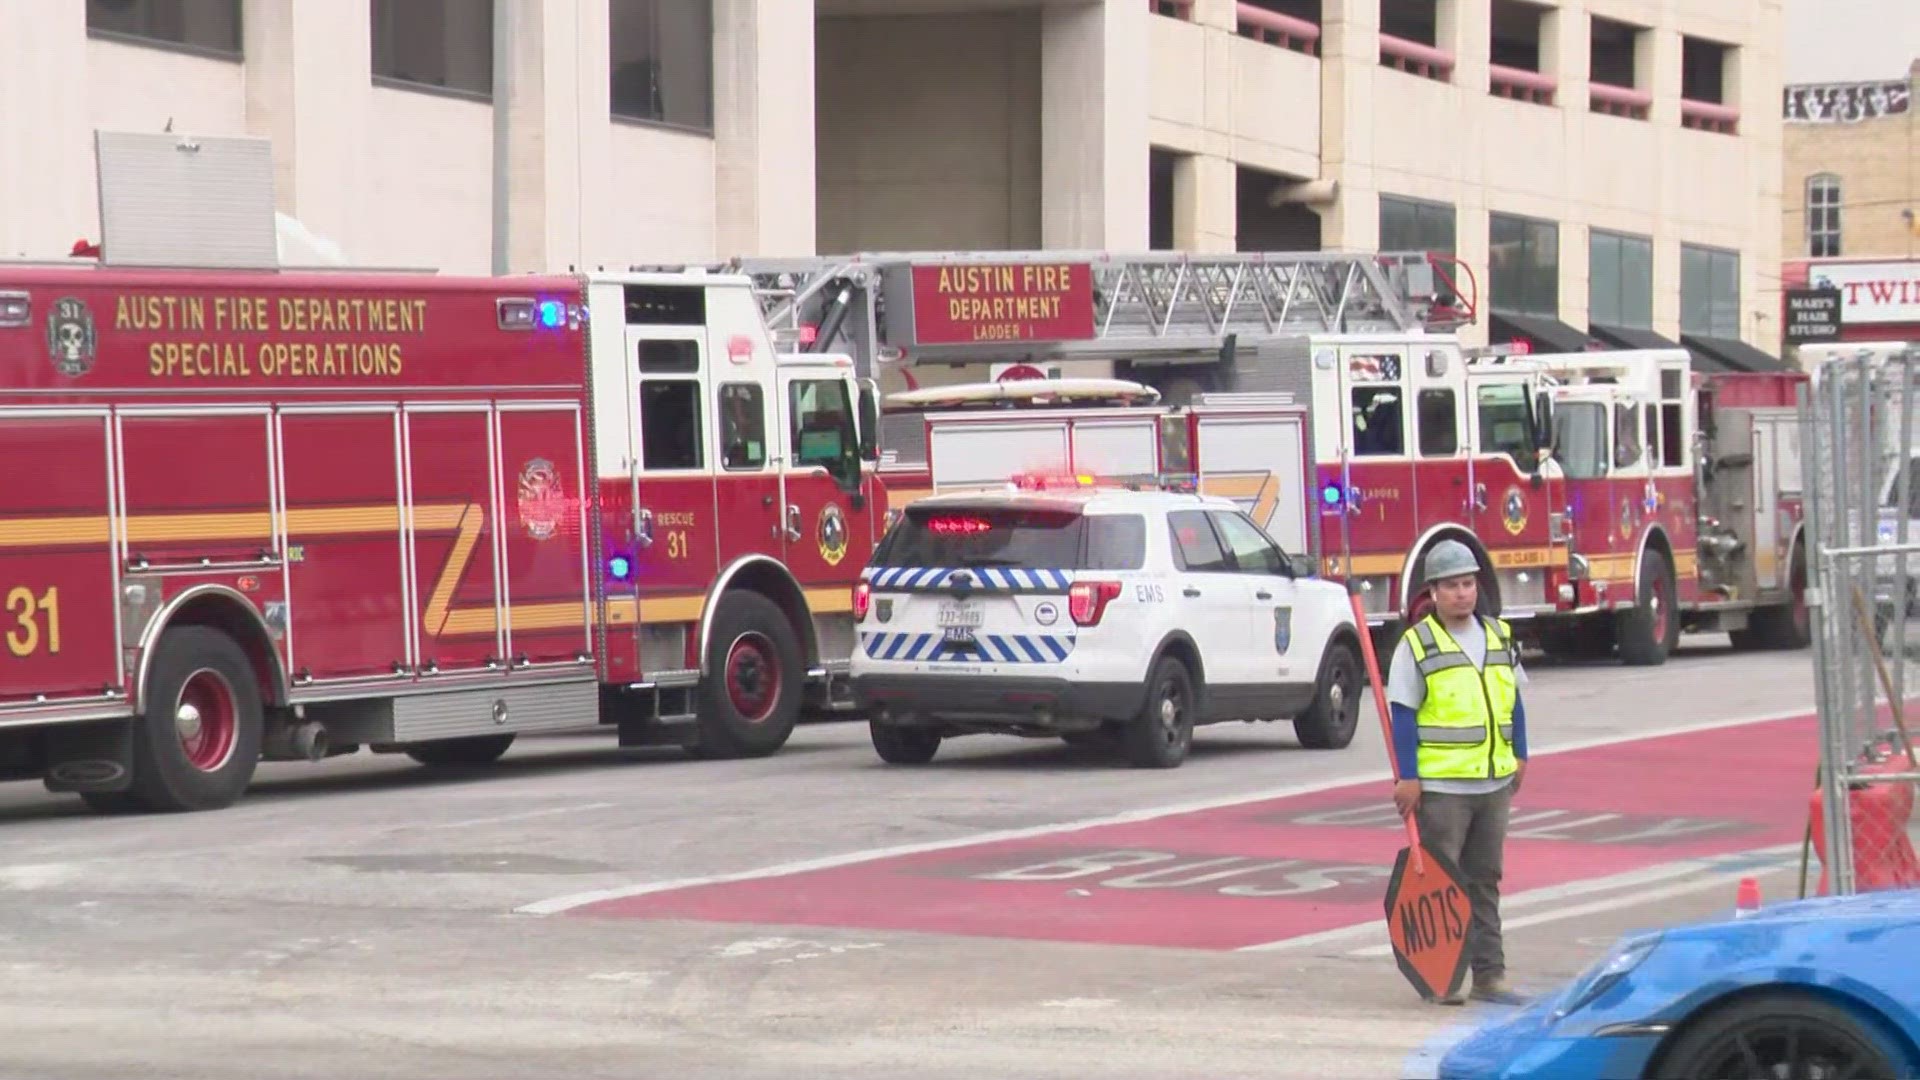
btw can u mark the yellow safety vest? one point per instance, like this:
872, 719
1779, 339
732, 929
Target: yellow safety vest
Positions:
1466, 720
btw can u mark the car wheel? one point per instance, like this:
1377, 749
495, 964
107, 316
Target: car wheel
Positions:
1780, 1034
1334, 715
750, 699
1650, 631
903, 746
199, 742
1161, 733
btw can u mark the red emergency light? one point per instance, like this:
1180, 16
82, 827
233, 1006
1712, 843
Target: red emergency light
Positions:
1052, 481
958, 526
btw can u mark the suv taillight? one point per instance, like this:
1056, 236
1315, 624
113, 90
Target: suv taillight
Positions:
862, 600
1087, 600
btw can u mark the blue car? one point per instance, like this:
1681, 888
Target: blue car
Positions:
1813, 990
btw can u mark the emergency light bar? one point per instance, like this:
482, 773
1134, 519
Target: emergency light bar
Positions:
527, 313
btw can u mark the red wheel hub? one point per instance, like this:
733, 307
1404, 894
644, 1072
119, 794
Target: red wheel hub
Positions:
753, 676
205, 719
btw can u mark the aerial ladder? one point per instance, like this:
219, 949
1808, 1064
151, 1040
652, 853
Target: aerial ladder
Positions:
1160, 303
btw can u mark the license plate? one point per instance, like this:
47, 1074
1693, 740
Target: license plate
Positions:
955, 616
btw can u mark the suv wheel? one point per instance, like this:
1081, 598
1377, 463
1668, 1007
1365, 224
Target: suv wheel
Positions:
1161, 733
1334, 715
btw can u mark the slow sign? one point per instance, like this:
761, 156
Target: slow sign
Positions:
1428, 914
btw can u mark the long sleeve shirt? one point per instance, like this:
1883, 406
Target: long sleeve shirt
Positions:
1407, 690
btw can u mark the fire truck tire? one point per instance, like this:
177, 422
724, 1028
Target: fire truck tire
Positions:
199, 742
898, 745
470, 751
1787, 626
1334, 715
751, 697
1651, 629
1161, 733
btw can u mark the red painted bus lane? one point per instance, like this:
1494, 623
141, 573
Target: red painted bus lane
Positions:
1262, 871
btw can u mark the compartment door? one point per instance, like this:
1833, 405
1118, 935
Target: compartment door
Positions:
454, 510
59, 624
543, 540
346, 567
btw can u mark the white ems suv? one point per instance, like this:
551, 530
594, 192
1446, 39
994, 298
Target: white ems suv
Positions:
1101, 615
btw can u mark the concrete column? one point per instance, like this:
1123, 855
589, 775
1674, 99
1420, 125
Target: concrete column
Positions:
46, 138
1205, 203
764, 127
307, 73
1465, 28
1094, 188
1350, 60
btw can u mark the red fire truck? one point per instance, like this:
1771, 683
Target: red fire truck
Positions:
1681, 507
1399, 453
286, 515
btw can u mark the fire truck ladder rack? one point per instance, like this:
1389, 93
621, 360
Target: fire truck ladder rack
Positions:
1142, 303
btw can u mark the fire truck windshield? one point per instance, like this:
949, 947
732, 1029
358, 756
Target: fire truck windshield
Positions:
1580, 439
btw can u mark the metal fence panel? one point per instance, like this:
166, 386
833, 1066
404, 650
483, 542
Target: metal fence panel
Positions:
1857, 437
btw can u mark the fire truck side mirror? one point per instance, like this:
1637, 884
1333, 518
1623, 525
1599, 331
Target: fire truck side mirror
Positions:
869, 420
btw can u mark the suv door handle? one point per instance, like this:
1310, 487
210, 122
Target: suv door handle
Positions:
1263, 595
1190, 591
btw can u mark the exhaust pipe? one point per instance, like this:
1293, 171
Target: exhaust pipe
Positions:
310, 741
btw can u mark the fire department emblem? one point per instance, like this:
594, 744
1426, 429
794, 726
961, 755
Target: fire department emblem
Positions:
71, 340
1626, 518
543, 504
1513, 511
833, 534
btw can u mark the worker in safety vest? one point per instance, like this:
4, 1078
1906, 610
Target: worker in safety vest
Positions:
1460, 744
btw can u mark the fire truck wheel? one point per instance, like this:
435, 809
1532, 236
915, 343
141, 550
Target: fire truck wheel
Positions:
472, 750
1161, 733
751, 698
1651, 630
1334, 715
199, 742
897, 745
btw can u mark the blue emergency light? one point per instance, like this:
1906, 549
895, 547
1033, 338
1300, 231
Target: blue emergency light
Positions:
553, 314
620, 568
1330, 494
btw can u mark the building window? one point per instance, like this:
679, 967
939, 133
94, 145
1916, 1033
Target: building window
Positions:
1613, 64
1416, 225
443, 44
1620, 280
210, 26
662, 61
1823, 215
1524, 257
1709, 292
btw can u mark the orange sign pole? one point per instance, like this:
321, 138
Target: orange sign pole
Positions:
1386, 720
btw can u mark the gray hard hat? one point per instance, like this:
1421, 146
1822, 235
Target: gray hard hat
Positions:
1450, 558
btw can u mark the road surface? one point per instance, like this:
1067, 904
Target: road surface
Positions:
1016, 908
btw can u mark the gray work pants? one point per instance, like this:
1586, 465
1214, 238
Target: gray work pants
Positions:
1472, 831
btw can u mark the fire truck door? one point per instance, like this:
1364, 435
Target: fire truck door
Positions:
1445, 488
824, 490
671, 485
1510, 510
58, 617
1376, 442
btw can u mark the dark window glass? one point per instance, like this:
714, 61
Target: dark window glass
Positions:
1115, 542
1709, 292
661, 61
1620, 279
1195, 546
960, 535
446, 44
1253, 552
670, 424
204, 25
670, 357
1439, 427
1416, 225
1524, 257
1379, 423
743, 426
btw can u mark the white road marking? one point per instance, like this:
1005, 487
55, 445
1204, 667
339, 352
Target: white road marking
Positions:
525, 815
1755, 861
559, 904
1713, 880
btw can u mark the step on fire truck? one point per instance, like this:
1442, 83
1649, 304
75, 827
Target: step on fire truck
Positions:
1680, 506
257, 513
1327, 384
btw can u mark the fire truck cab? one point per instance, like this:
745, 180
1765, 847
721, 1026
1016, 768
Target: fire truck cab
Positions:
1681, 504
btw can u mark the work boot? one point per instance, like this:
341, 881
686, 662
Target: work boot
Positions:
1458, 997
1494, 989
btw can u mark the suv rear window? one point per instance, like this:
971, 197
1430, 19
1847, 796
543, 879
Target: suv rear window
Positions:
1027, 539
